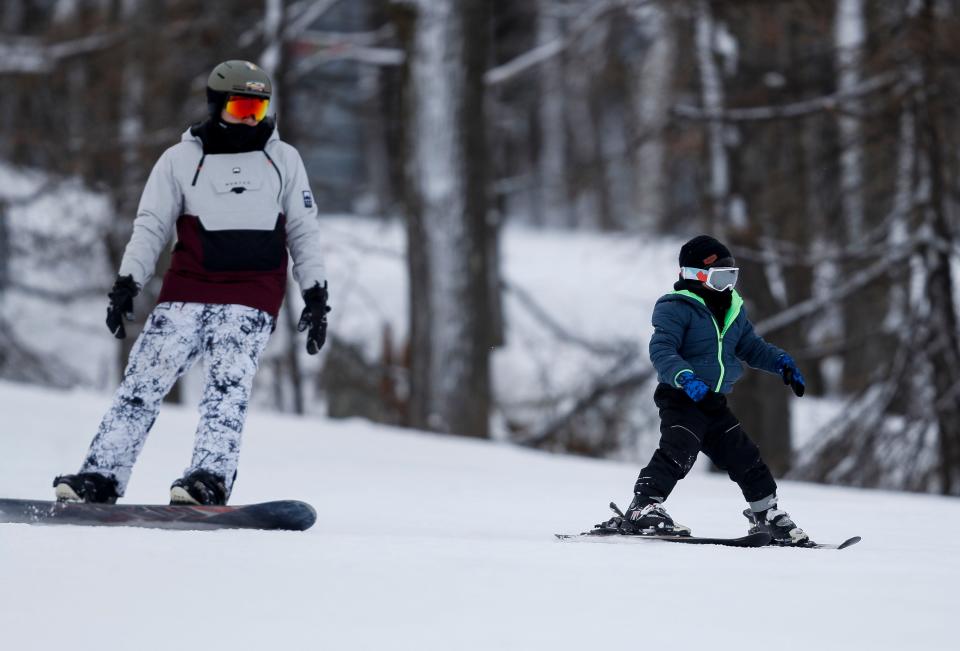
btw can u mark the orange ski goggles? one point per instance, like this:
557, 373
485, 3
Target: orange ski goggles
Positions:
241, 107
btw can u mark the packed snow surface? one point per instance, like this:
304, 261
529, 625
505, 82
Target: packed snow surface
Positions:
426, 542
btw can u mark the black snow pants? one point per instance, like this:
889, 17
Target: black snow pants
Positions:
686, 429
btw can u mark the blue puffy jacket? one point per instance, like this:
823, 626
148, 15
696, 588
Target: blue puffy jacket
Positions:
686, 337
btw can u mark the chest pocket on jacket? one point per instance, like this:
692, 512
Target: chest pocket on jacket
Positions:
241, 225
240, 193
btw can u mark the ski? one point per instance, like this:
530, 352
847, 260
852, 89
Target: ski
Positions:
606, 533
288, 515
751, 540
808, 544
849, 542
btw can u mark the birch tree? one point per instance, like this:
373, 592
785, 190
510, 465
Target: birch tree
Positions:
863, 312
940, 289
712, 97
652, 94
447, 246
554, 203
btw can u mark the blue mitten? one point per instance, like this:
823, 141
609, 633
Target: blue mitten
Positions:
791, 374
693, 386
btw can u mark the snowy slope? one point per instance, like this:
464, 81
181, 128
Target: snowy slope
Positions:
425, 542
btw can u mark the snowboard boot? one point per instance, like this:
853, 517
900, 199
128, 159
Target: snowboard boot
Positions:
199, 487
778, 524
88, 487
644, 517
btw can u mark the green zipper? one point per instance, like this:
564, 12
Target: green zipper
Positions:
735, 304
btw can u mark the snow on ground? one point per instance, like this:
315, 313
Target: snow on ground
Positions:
426, 542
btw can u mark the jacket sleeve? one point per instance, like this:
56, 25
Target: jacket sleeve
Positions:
669, 325
756, 352
303, 229
157, 214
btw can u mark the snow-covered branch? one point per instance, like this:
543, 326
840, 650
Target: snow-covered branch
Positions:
299, 23
375, 56
623, 377
551, 324
33, 56
796, 109
326, 39
852, 284
546, 51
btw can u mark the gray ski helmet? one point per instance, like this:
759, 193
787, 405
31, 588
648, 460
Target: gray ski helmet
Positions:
236, 78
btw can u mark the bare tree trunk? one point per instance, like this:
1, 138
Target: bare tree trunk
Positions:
376, 154
849, 39
711, 90
447, 237
553, 204
589, 191
652, 95
274, 62
749, 186
944, 349
131, 128
863, 312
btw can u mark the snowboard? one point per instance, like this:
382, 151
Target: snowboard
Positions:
288, 515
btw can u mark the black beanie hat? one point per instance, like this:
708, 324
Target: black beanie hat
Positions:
704, 251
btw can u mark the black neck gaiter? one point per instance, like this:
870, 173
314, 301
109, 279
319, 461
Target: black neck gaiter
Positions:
717, 302
218, 137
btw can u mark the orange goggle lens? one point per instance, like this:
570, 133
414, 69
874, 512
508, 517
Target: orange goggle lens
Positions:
245, 107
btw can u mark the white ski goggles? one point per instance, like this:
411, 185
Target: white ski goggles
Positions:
716, 278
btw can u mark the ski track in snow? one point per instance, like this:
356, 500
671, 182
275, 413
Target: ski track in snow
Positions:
427, 542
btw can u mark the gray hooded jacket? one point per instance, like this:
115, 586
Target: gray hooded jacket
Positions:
235, 215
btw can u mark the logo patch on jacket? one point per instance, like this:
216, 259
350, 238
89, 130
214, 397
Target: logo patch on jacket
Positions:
307, 199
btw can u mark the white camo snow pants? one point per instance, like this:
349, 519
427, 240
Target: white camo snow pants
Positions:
229, 339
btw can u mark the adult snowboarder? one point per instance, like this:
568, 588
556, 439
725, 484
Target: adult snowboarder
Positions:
239, 198
701, 332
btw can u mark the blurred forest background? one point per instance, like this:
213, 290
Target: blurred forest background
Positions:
819, 138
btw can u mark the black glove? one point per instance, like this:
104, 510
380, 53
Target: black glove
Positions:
121, 305
314, 317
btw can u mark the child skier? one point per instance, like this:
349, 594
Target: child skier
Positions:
701, 331
239, 198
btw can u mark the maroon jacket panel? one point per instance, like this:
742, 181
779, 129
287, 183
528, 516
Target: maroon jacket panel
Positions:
240, 267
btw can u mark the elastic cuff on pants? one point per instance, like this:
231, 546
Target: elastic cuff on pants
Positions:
767, 502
